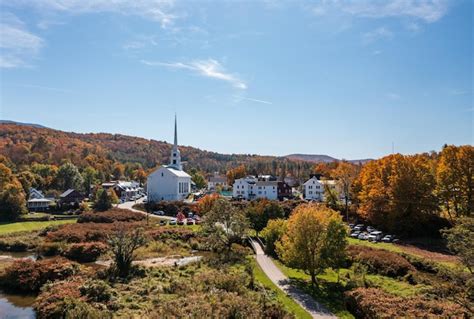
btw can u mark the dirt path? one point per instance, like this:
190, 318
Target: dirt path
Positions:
314, 308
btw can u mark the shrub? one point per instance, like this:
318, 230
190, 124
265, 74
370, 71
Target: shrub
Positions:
50, 249
110, 216
380, 261
86, 232
85, 252
28, 276
375, 303
96, 290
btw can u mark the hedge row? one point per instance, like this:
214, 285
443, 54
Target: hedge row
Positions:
110, 216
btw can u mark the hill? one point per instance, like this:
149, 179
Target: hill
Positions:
318, 158
21, 124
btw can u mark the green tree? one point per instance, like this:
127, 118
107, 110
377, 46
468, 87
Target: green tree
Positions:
123, 245
89, 177
460, 240
12, 195
103, 200
225, 224
272, 234
260, 212
198, 179
68, 176
315, 239
345, 174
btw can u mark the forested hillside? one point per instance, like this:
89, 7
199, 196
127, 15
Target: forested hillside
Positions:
25, 145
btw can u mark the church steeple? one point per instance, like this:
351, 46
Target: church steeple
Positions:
175, 160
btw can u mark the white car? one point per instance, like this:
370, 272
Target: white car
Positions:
363, 236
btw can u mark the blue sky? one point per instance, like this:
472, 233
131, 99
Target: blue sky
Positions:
343, 78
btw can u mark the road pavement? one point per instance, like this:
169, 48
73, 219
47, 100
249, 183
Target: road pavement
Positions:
314, 308
129, 205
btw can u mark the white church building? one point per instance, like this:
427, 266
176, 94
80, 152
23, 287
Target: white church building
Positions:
169, 182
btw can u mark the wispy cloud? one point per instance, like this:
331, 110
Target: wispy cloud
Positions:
208, 68
376, 52
457, 92
45, 88
377, 34
426, 10
157, 10
240, 98
17, 45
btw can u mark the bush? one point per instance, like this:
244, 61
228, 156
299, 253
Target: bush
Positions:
86, 232
110, 216
375, 303
50, 249
85, 252
380, 261
26, 275
96, 290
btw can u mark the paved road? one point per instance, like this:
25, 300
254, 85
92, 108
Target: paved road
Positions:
314, 308
128, 205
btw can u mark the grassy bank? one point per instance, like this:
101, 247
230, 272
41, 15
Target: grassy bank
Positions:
31, 225
289, 303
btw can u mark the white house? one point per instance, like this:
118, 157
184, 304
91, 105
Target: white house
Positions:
314, 188
250, 188
169, 182
38, 202
217, 180
124, 189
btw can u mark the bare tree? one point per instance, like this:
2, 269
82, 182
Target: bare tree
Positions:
123, 244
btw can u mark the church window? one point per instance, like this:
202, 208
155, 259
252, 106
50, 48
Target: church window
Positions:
174, 161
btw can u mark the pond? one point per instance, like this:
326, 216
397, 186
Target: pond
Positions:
16, 306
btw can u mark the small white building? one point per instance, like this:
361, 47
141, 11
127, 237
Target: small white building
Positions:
314, 188
38, 202
169, 182
216, 180
250, 188
124, 190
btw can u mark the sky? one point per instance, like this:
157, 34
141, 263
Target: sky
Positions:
344, 78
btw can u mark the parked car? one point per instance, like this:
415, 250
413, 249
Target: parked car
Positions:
172, 222
360, 227
355, 234
163, 222
375, 236
189, 221
351, 226
159, 213
363, 236
388, 238
180, 222
370, 229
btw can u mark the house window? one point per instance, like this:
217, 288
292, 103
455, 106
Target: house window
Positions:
174, 161
161, 174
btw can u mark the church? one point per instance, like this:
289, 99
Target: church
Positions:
169, 182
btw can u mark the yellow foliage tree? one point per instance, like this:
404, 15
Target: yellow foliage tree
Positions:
315, 239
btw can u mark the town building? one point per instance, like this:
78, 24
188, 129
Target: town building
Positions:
169, 182
70, 198
314, 188
216, 181
251, 187
38, 202
124, 190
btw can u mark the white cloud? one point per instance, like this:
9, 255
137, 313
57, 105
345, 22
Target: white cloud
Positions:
426, 10
376, 52
17, 45
393, 96
208, 68
377, 34
157, 10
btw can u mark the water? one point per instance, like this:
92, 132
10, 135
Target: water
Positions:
16, 306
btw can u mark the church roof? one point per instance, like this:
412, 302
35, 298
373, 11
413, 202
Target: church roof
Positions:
176, 172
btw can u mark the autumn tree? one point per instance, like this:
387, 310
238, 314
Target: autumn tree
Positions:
89, 177
455, 180
140, 175
68, 176
272, 233
103, 200
225, 224
118, 171
236, 173
397, 193
198, 178
206, 203
12, 195
314, 240
261, 211
345, 174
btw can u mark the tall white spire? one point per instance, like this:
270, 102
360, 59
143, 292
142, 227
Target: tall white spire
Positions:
175, 159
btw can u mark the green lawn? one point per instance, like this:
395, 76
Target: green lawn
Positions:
30, 226
289, 303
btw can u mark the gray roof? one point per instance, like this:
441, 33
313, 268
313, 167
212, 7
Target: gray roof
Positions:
267, 183
66, 193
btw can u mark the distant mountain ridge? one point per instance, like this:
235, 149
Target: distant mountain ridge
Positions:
320, 158
21, 124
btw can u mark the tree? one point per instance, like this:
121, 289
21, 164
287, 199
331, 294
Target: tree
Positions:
314, 240
198, 179
118, 171
331, 196
12, 196
68, 176
206, 203
272, 234
397, 193
123, 245
345, 174
139, 175
260, 212
236, 173
103, 200
460, 240
225, 224
455, 181
89, 176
